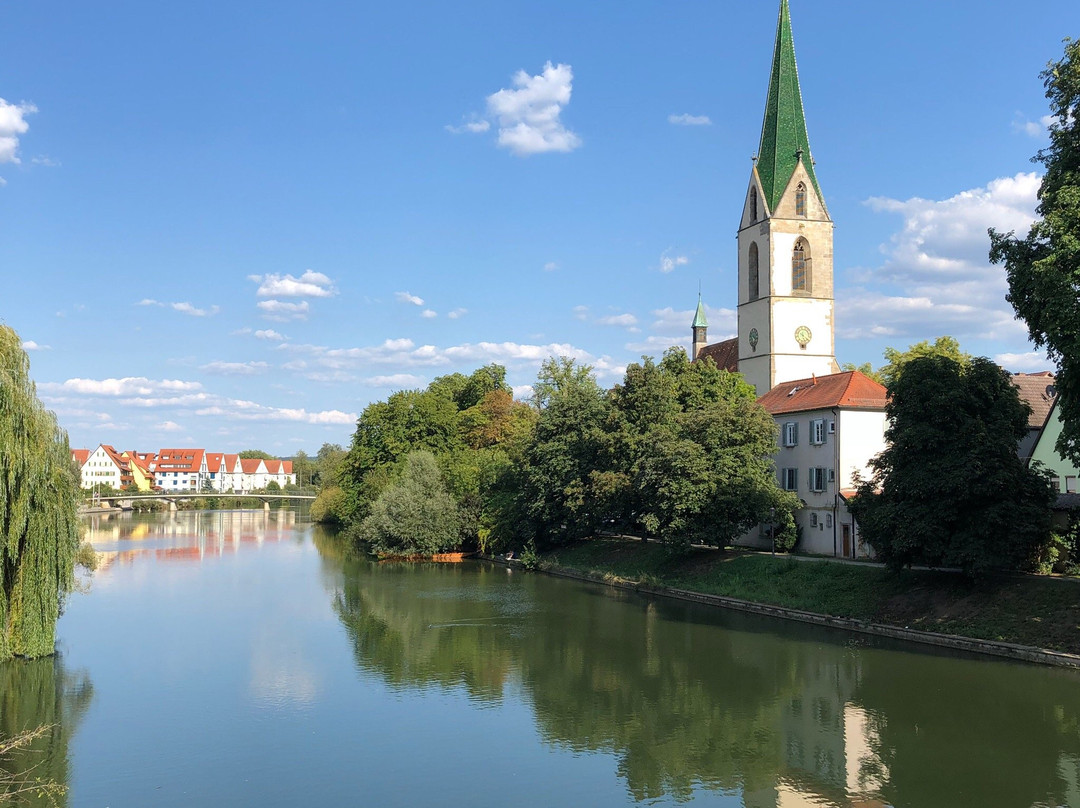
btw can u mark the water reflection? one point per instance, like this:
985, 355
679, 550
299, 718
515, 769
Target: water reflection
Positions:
35, 693
690, 699
185, 535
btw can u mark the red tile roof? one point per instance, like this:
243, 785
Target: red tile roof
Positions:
80, 456
180, 460
1038, 390
725, 354
851, 390
250, 465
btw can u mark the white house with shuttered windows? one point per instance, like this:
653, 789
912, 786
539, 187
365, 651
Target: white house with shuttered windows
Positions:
830, 428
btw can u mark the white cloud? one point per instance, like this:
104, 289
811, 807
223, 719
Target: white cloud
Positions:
235, 368
457, 314
529, 114
1024, 362
473, 126
581, 312
183, 308
12, 125
689, 120
406, 297
937, 278
310, 284
396, 381
523, 392
44, 160
428, 314
240, 410
168, 426
128, 386
550, 266
187, 308
1036, 129
668, 263
281, 311
619, 320
30, 345
656, 345
270, 334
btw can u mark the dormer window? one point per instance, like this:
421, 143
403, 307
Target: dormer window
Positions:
800, 200
753, 204
800, 267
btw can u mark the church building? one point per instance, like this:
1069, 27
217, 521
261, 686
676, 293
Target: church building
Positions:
785, 345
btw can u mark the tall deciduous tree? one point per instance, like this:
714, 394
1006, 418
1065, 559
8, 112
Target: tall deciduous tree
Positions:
1044, 268
949, 489
39, 526
896, 360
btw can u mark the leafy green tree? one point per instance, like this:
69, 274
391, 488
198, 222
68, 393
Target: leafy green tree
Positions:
1043, 268
303, 468
330, 506
39, 524
896, 360
327, 464
949, 489
698, 447
415, 514
555, 488
256, 454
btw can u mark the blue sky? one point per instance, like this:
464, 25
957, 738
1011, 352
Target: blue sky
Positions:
233, 225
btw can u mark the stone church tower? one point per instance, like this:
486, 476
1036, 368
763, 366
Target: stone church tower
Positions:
785, 243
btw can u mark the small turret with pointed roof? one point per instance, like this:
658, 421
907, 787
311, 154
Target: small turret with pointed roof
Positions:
699, 329
784, 141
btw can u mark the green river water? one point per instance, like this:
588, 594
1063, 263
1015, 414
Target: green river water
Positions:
247, 659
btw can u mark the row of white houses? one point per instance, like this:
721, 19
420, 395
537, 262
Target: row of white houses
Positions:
179, 470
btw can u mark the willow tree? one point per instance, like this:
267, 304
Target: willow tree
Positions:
39, 528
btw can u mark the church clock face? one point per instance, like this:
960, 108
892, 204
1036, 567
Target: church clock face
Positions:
803, 336
753, 339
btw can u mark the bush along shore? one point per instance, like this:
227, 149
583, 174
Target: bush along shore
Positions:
1033, 611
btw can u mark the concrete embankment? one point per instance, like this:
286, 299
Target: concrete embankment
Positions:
1020, 653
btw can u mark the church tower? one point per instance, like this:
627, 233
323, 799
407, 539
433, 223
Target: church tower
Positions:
699, 330
785, 242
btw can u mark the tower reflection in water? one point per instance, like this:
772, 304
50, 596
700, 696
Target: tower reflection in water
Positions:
688, 700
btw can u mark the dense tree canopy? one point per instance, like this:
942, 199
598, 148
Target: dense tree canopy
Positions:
1044, 267
679, 451
39, 526
950, 490
256, 454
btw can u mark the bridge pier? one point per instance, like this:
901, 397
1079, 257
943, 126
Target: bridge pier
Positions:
266, 507
172, 505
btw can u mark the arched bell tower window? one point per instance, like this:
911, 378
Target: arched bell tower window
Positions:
753, 204
800, 200
800, 267
754, 274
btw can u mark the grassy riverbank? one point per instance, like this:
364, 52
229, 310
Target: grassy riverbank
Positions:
1040, 612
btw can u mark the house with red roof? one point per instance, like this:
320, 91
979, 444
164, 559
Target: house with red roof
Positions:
831, 427
103, 466
180, 469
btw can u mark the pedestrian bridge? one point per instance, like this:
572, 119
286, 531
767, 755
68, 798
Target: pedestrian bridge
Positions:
125, 501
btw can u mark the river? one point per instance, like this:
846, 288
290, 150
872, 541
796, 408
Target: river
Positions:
232, 658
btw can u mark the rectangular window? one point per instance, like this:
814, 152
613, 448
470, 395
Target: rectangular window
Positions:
789, 479
818, 479
817, 432
1070, 485
791, 434
828, 520
813, 519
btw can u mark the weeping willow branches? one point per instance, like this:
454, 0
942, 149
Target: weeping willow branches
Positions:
39, 528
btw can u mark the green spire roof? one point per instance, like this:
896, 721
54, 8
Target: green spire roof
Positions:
699, 316
783, 134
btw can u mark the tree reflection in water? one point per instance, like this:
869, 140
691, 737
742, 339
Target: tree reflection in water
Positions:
35, 693
688, 698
